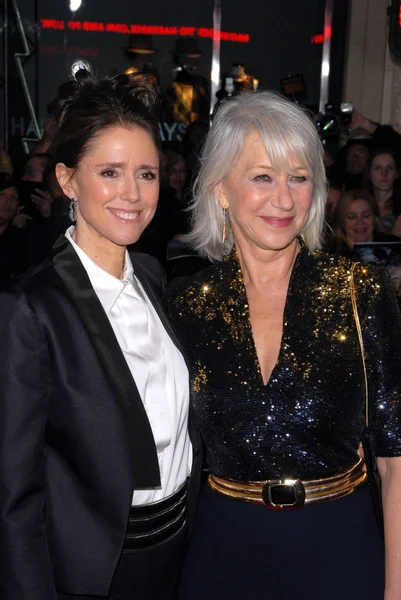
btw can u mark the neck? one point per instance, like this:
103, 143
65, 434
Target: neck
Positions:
349, 243
107, 255
262, 267
382, 198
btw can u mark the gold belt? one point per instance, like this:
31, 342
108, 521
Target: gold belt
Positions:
278, 494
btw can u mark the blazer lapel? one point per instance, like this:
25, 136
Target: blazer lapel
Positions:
142, 446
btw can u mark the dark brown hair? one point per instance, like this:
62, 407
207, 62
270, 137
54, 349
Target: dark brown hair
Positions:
95, 104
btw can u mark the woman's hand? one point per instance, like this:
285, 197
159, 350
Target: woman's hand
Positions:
359, 120
361, 454
21, 219
42, 201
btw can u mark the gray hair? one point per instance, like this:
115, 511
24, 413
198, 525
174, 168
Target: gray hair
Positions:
286, 130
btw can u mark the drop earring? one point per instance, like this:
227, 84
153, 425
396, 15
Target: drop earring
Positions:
73, 210
225, 226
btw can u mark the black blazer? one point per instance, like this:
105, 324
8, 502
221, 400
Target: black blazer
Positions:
75, 440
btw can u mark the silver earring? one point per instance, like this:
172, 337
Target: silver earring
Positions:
73, 210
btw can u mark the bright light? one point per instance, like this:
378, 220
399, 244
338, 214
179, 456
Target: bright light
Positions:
75, 4
325, 68
80, 65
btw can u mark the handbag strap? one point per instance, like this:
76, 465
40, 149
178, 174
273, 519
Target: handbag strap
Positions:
359, 330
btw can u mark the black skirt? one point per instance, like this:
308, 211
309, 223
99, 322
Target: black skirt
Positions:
328, 551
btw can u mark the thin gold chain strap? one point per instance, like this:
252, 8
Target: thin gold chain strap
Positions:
359, 330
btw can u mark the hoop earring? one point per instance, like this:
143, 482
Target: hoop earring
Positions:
225, 226
73, 210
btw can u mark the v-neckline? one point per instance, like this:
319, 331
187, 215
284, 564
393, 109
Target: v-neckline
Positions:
247, 317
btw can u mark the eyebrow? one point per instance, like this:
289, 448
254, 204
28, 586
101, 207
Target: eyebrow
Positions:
273, 169
116, 165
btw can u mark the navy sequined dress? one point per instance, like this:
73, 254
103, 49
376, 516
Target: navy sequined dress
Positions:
305, 423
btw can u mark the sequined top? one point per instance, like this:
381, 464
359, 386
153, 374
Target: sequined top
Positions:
307, 421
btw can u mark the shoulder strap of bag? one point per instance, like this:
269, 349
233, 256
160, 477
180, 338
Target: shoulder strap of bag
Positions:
359, 330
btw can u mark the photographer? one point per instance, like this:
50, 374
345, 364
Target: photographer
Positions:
33, 193
350, 163
364, 137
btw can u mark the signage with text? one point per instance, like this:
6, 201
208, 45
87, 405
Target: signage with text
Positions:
175, 30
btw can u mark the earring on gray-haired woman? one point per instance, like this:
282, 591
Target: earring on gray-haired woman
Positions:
224, 236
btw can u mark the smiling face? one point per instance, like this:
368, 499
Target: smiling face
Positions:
116, 185
383, 173
267, 208
359, 223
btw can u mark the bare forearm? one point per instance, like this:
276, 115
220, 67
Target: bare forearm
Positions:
42, 146
392, 524
370, 126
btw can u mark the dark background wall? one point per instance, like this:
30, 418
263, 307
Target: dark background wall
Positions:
280, 42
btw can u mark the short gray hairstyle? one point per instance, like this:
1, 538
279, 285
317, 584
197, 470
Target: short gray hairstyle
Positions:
286, 130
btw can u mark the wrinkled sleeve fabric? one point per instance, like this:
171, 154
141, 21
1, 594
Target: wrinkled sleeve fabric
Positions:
381, 332
25, 568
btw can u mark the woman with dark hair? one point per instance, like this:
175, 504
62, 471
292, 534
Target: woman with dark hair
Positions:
356, 220
382, 180
94, 448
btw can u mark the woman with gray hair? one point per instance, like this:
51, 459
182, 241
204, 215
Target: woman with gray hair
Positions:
278, 385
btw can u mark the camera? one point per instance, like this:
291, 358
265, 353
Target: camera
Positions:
334, 119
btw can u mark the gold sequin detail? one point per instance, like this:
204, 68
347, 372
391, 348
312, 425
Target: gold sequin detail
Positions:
200, 378
307, 421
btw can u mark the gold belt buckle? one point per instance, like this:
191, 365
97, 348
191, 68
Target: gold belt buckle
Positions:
284, 494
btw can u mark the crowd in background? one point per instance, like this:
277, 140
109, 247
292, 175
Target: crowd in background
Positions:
363, 201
